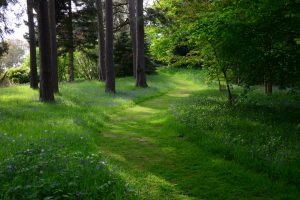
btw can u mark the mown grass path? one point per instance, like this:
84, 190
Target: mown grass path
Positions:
151, 155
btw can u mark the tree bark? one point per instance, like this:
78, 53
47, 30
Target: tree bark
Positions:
132, 19
71, 64
219, 82
71, 44
266, 87
46, 87
270, 88
230, 96
101, 42
140, 35
32, 44
110, 74
52, 25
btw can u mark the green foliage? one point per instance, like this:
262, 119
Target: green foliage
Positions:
83, 27
18, 75
147, 153
123, 60
86, 67
251, 41
58, 156
62, 64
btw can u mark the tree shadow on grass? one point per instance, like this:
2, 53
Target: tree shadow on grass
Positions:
146, 144
262, 137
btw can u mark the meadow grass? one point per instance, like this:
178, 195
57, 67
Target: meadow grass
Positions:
46, 150
177, 139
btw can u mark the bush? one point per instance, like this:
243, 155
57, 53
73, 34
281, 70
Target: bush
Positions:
18, 75
85, 64
123, 60
62, 68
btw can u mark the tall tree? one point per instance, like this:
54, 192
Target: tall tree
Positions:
140, 55
101, 41
52, 26
32, 44
46, 88
132, 19
110, 74
70, 42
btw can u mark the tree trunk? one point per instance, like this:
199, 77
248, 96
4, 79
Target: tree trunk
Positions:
266, 85
230, 97
71, 64
101, 42
270, 88
71, 43
52, 25
32, 44
132, 19
140, 35
46, 88
110, 74
219, 82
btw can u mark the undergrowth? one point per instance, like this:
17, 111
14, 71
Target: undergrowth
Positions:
261, 132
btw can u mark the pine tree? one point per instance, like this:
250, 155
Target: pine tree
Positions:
110, 74
46, 87
52, 26
140, 58
32, 44
132, 19
101, 41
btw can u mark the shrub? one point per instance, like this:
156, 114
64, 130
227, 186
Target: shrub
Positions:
86, 65
123, 59
62, 68
18, 75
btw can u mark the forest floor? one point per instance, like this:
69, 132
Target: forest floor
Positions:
135, 131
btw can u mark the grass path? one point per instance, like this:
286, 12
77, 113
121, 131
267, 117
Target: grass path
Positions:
150, 154
135, 129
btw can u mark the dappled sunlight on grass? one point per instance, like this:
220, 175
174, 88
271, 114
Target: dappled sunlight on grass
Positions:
259, 135
188, 171
141, 110
163, 142
70, 125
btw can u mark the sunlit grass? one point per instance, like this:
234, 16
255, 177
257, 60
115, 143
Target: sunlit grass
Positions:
177, 139
30, 130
